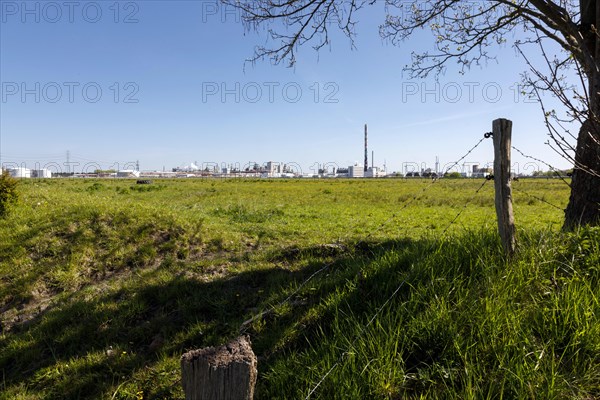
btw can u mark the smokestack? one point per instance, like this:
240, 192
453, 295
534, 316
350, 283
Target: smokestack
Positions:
366, 150
373, 159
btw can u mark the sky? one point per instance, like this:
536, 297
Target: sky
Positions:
166, 83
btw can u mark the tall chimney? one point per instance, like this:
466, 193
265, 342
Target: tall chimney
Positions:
366, 150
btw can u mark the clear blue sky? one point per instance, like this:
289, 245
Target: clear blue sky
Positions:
163, 66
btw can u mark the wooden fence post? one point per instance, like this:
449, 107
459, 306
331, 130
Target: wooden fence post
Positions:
502, 131
223, 373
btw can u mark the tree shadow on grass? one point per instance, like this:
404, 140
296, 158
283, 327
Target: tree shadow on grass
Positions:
92, 348
357, 290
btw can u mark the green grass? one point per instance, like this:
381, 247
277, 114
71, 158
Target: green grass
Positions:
465, 324
104, 285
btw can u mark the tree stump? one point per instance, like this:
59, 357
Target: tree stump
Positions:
220, 373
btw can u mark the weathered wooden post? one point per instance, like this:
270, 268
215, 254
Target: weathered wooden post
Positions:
502, 131
220, 373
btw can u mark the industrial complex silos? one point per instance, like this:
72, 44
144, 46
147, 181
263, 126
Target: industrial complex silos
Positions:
20, 172
41, 173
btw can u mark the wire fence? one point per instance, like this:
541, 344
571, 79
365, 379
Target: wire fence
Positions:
326, 266
379, 228
339, 360
362, 331
388, 300
537, 198
555, 170
464, 207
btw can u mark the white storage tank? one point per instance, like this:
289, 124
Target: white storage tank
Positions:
356, 171
20, 172
128, 173
41, 173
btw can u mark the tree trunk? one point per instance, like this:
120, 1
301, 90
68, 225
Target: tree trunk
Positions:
584, 203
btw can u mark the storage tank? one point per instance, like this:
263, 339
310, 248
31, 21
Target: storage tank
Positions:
20, 172
128, 173
41, 173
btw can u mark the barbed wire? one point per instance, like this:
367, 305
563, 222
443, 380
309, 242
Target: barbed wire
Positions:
452, 222
326, 266
555, 170
356, 338
538, 198
464, 207
329, 264
389, 299
397, 212
485, 136
433, 181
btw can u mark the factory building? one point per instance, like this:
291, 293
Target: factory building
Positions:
374, 172
41, 173
356, 171
480, 172
20, 172
272, 170
128, 173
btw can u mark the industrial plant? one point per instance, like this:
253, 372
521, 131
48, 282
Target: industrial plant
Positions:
252, 169
194, 169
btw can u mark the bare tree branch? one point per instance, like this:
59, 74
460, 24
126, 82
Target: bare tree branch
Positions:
465, 32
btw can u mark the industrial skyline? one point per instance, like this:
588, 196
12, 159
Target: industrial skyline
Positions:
77, 165
265, 169
165, 97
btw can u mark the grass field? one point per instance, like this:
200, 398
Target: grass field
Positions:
105, 283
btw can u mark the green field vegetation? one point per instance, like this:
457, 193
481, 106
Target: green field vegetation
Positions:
105, 283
